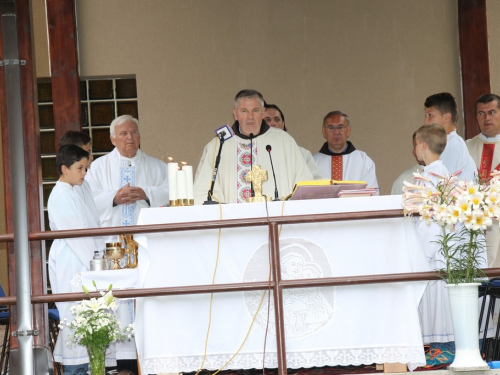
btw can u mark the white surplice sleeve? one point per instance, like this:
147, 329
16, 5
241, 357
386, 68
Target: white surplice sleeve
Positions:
66, 212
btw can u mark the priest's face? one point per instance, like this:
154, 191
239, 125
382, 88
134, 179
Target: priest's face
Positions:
336, 130
127, 139
249, 113
488, 118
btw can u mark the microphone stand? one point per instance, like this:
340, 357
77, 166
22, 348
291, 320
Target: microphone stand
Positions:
252, 193
216, 169
268, 148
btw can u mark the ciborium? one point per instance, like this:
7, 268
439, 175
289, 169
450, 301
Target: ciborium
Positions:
115, 252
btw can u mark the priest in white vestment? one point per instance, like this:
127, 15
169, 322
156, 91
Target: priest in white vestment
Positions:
275, 118
338, 159
247, 148
485, 151
441, 109
126, 180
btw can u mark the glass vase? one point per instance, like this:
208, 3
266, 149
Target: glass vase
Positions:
97, 356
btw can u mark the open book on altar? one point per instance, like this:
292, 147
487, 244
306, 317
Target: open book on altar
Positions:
321, 189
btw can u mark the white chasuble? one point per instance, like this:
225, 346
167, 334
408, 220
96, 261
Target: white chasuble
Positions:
289, 165
110, 172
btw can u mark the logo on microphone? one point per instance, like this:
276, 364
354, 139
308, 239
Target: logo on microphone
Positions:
224, 132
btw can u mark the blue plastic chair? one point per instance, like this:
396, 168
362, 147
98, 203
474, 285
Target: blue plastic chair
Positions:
4, 321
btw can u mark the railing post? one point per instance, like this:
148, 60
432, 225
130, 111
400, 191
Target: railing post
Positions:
278, 297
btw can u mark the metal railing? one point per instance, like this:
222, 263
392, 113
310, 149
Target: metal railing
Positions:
276, 284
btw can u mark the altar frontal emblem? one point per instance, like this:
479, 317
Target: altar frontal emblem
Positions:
306, 309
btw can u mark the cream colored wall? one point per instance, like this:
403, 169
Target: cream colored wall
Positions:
375, 60
493, 19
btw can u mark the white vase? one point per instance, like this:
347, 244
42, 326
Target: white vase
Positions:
465, 318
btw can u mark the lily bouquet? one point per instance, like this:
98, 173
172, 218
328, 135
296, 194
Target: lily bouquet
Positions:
463, 210
96, 326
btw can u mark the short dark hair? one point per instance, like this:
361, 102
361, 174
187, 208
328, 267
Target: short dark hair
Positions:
68, 155
333, 113
73, 137
274, 106
445, 103
487, 98
435, 137
249, 94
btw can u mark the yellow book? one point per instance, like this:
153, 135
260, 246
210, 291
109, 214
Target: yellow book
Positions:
335, 182
322, 182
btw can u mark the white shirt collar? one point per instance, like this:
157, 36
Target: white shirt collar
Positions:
494, 139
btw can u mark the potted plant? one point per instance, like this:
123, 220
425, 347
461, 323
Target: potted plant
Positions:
95, 327
463, 210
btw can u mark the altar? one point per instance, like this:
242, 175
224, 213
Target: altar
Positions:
328, 326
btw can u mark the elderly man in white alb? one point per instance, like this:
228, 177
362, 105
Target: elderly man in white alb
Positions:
485, 151
338, 159
126, 179
251, 138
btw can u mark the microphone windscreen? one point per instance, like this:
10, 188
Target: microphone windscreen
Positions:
268, 148
251, 135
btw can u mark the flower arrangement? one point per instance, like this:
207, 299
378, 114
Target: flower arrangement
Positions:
450, 203
96, 326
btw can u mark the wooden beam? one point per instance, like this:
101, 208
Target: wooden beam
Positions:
63, 55
473, 33
32, 169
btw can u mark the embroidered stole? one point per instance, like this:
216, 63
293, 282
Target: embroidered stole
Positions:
243, 167
485, 168
337, 167
127, 174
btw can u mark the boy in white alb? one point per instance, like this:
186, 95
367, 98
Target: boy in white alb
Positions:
68, 210
434, 308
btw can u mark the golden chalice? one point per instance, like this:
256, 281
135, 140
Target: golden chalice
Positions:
115, 252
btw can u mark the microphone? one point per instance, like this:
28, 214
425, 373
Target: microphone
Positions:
223, 133
252, 193
268, 149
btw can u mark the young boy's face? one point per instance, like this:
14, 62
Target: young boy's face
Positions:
419, 149
75, 174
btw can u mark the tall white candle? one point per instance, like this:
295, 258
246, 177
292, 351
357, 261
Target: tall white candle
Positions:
172, 180
189, 180
181, 185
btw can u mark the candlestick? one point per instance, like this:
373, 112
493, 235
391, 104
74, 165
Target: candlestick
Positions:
172, 169
189, 180
181, 185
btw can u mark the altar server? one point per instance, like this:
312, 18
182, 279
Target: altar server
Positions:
397, 186
126, 179
275, 118
246, 148
434, 308
485, 151
68, 210
441, 109
338, 159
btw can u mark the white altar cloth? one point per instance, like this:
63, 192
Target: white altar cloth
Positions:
120, 279
347, 325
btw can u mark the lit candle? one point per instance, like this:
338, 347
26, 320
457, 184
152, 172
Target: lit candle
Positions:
181, 185
172, 169
189, 179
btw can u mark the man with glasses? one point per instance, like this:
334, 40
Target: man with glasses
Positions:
338, 159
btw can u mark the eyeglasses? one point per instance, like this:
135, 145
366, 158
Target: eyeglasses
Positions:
333, 129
